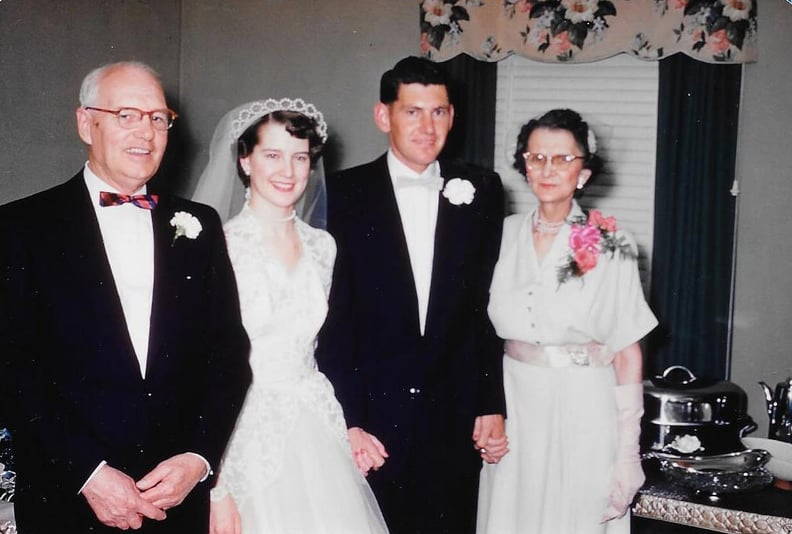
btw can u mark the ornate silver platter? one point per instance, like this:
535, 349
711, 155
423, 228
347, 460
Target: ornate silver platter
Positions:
733, 472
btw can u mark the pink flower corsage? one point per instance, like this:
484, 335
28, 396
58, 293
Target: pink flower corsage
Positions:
587, 240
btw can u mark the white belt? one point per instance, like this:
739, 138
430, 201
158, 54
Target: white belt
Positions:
588, 355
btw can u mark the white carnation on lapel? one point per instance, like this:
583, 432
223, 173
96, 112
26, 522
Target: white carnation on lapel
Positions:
186, 225
459, 191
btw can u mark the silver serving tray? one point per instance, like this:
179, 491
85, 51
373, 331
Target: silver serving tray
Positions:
731, 462
721, 473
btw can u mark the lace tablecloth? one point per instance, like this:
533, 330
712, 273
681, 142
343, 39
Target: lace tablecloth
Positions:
765, 511
7, 525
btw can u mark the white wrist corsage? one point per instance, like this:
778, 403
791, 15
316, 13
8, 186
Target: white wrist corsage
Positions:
186, 225
459, 191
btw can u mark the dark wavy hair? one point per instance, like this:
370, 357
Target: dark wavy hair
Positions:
559, 119
409, 70
297, 124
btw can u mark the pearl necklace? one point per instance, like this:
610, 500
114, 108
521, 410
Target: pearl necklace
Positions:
546, 227
273, 220
288, 218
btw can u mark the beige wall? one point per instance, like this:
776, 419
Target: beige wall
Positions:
212, 54
763, 298
329, 53
46, 47
216, 54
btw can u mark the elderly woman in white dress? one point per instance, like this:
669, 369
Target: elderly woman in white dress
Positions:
566, 296
289, 467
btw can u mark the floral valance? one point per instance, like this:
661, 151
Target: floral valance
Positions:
715, 31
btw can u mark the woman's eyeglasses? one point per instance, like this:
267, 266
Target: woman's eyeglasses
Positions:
557, 161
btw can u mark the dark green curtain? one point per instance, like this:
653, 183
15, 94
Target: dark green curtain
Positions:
473, 87
694, 216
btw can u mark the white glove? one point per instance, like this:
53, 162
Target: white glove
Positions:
628, 476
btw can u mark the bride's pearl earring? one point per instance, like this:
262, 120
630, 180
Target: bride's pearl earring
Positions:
581, 183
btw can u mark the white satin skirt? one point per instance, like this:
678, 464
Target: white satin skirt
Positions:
561, 425
318, 490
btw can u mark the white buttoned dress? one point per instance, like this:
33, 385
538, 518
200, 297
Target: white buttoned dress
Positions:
561, 421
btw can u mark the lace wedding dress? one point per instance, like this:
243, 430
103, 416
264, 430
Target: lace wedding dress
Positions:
289, 465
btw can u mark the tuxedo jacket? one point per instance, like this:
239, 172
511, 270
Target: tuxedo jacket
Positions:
71, 374
419, 394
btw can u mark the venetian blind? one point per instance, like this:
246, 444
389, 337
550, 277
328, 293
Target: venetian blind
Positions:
618, 98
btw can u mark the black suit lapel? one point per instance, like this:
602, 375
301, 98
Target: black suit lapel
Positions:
390, 246
449, 254
165, 259
90, 270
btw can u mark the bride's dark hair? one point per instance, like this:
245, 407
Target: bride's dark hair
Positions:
297, 124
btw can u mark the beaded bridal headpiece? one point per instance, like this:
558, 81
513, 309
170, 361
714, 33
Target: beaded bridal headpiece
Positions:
219, 185
253, 111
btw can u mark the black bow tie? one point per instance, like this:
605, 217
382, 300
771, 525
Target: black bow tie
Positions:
146, 202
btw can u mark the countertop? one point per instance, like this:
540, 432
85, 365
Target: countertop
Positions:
7, 525
763, 511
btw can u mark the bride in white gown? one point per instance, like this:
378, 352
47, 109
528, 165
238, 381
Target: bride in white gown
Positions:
289, 467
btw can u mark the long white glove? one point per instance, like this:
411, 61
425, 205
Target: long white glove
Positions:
628, 476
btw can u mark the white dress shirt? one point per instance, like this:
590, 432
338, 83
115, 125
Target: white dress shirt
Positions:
418, 210
128, 239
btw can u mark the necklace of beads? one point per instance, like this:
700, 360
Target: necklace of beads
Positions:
288, 218
546, 227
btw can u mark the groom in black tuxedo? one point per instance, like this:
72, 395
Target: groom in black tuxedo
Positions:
123, 353
407, 343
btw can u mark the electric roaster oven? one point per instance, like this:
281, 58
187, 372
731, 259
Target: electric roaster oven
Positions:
694, 426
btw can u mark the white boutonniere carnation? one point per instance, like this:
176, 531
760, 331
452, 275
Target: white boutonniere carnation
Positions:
186, 225
459, 191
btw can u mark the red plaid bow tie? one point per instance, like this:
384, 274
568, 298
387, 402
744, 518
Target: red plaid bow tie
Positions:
146, 202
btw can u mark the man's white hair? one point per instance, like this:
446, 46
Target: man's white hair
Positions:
89, 89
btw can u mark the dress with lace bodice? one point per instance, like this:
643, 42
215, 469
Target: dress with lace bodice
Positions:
289, 466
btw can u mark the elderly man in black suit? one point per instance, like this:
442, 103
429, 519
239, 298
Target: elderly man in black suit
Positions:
407, 343
123, 350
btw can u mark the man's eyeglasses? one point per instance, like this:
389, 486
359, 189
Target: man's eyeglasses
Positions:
557, 161
161, 119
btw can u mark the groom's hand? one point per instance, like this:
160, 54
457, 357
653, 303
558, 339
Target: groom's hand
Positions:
169, 483
116, 501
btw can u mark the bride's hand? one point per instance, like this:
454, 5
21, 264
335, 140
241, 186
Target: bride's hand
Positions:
368, 451
224, 517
